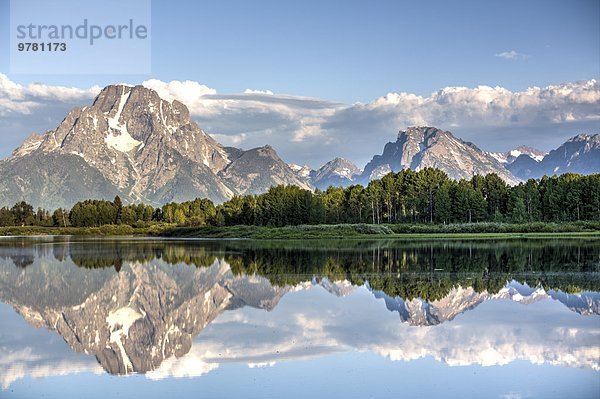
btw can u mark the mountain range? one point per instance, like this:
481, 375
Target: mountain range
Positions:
132, 143
338, 172
580, 154
508, 157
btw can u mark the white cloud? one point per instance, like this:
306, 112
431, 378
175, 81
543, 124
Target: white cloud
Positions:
184, 367
261, 365
512, 395
188, 92
511, 55
251, 91
16, 98
230, 140
43, 367
35, 352
60, 93
307, 131
486, 105
8, 105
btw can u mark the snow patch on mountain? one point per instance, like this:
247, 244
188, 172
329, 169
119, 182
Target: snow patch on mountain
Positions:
508, 157
380, 171
122, 140
301, 171
338, 172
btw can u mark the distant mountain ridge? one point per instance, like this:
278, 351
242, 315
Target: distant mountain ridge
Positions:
423, 146
338, 172
579, 154
509, 157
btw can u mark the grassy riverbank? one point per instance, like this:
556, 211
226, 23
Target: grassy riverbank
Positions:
472, 230
107, 230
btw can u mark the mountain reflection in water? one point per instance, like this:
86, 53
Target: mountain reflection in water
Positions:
181, 308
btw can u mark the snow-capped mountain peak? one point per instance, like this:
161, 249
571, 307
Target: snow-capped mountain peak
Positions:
509, 157
419, 147
301, 171
337, 172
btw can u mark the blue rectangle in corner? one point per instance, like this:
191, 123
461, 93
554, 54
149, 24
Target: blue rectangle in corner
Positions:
75, 37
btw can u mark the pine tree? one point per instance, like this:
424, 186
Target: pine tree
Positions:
118, 204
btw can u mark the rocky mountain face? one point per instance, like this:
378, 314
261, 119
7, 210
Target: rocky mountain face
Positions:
254, 171
509, 157
132, 143
524, 167
380, 171
580, 154
302, 172
338, 172
421, 147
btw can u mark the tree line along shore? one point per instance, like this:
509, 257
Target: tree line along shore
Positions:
407, 202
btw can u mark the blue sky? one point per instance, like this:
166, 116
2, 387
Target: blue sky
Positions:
355, 51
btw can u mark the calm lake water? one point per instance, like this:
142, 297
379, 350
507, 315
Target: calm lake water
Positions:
98, 318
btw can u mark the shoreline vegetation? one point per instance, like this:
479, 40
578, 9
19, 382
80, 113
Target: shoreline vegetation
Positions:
410, 268
407, 203
342, 231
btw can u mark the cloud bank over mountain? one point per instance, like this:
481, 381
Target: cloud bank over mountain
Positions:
313, 130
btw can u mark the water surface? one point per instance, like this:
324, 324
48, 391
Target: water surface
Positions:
83, 317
